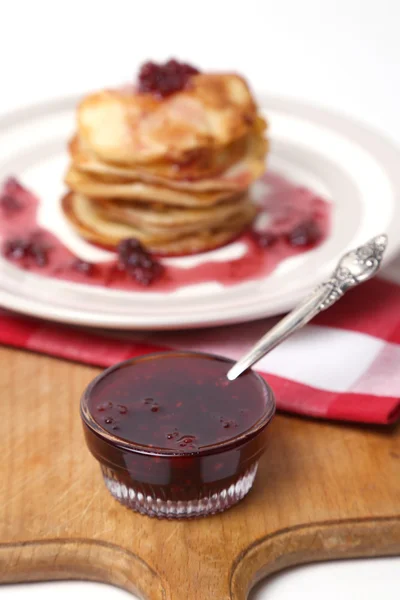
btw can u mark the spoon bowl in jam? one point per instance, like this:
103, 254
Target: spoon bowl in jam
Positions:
173, 436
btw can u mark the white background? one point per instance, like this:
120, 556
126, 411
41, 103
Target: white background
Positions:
343, 54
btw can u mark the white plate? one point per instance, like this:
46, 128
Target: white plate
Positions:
355, 168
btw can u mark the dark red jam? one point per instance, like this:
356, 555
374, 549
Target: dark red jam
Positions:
178, 402
172, 427
134, 259
164, 79
297, 221
31, 250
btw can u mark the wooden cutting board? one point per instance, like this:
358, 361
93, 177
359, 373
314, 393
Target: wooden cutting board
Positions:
323, 491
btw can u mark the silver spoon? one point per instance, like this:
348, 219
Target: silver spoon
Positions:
353, 268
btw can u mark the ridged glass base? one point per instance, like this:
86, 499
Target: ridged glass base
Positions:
136, 499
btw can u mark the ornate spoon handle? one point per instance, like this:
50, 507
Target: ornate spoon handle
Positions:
353, 268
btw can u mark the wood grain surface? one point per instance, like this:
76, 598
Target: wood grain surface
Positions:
323, 491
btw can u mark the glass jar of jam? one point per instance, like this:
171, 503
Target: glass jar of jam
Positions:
173, 436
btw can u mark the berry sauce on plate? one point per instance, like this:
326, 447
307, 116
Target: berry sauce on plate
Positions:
291, 220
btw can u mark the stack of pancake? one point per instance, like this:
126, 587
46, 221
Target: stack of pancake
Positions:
172, 172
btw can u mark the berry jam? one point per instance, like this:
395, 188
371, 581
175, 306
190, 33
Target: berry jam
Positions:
306, 233
297, 221
164, 79
31, 250
173, 436
134, 259
9, 205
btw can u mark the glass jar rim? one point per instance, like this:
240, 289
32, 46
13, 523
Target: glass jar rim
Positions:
130, 446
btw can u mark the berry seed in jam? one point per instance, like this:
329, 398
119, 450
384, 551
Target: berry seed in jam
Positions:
265, 240
16, 249
82, 266
164, 79
39, 254
195, 459
305, 234
9, 205
30, 249
137, 262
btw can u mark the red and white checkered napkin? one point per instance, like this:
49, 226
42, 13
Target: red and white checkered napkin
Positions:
344, 365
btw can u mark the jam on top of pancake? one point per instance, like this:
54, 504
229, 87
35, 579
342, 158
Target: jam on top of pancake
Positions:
164, 79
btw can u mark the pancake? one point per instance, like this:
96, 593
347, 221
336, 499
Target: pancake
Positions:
126, 127
85, 219
201, 164
169, 163
106, 187
159, 219
239, 173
